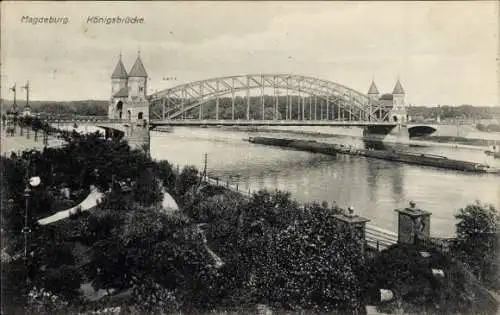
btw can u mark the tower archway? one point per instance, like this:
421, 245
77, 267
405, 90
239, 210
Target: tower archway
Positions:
119, 109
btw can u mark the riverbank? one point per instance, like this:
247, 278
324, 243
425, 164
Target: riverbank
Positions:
348, 132
470, 142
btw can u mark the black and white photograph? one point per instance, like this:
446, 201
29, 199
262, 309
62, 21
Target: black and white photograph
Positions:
250, 157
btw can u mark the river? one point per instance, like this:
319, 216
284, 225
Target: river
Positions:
373, 187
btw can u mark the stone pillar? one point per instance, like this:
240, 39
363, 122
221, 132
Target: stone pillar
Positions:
391, 134
355, 225
413, 224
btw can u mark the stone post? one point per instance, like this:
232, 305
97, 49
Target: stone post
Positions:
355, 225
413, 224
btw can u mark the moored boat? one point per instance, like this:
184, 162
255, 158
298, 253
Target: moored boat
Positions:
396, 156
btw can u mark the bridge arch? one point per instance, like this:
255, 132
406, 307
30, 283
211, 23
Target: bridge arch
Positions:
180, 99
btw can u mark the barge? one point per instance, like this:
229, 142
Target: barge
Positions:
396, 156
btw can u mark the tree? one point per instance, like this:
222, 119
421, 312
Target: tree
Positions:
311, 264
21, 122
146, 190
186, 179
478, 232
46, 129
36, 125
28, 120
166, 174
15, 121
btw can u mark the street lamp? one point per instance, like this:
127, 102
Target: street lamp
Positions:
33, 182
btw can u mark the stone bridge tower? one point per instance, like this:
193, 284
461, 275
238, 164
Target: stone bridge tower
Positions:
399, 112
129, 93
391, 108
129, 103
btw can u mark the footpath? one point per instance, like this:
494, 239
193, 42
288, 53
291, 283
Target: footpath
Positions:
18, 143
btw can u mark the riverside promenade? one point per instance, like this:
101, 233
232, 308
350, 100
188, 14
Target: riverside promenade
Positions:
18, 143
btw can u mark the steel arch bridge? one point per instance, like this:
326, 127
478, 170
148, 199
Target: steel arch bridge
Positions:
337, 102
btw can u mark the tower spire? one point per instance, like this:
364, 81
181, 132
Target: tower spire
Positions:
398, 88
138, 69
119, 72
373, 90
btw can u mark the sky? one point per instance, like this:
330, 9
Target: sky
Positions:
443, 52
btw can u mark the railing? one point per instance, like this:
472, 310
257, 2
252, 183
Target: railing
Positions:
258, 122
443, 245
379, 238
226, 184
82, 120
375, 237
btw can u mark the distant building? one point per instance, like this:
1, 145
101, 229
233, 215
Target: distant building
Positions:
394, 107
128, 92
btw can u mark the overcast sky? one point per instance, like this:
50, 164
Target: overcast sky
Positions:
444, 53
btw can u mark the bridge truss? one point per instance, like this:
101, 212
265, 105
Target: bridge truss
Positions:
292, 97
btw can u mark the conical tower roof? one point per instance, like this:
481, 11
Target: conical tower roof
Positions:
138, 69
373, 88
398, 88
120, 72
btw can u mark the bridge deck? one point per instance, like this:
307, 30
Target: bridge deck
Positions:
211, 122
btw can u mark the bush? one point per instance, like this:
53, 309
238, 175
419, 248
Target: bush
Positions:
41, 301
63, 281
404, 271
166, 174
478, 233
146, 190
186, 180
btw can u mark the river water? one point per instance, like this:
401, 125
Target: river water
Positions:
373, 187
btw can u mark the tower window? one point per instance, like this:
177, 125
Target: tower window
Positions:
141, 89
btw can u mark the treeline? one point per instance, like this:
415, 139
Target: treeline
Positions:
85, 108
450, 112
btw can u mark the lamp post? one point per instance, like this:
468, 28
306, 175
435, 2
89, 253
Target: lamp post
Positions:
26, 229
33, 182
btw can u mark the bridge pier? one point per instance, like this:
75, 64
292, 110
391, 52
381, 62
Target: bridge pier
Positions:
139, 137
393, 134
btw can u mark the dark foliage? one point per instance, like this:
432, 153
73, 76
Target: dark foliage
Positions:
186, 180
406, 272
166, 174
478, 241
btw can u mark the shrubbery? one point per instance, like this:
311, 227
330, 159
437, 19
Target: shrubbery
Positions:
478, 242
